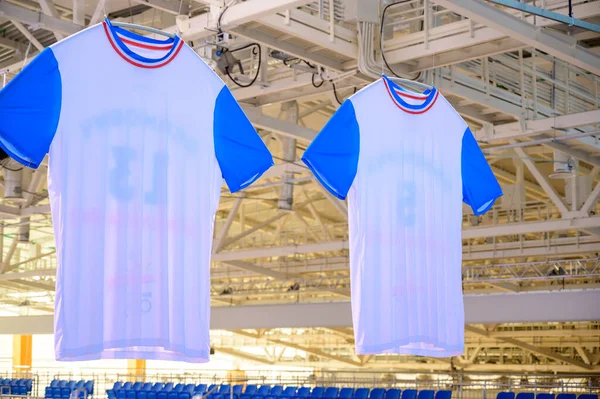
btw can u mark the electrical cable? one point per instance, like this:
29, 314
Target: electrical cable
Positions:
381, 40
256, 45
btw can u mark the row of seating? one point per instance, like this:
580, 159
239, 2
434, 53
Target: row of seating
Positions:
147, 390
531, 395
63, 389
16, 386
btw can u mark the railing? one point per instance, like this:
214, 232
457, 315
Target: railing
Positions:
463, 385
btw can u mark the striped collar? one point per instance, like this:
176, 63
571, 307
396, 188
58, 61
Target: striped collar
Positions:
419, 102
121, 40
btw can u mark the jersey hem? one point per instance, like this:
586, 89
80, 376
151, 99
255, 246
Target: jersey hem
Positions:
75, 355
29, 164
323, 183
491, 201
259, 172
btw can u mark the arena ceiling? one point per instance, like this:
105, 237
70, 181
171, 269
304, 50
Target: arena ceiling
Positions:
527, 86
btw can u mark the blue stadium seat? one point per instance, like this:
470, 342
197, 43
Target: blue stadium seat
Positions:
48, 393
178, 388
184, 395
168, 387
331, 393
162, 395
142, 394
428, 394
131, 394
250, 390
392, 394
189, 388
127, 386
71, 385
261, 393
303, 392
122, 394
89, 386
146, 387
200, 389
65, 393
544, 396
526, 395
362, 393
505, 395
56, 392
112, 393
377, 393
409, 394
317, 392
54, 383
173, 394
566, 396
222, 392
151, 394
346, 393
585, 396
445, 395
212, 388
276, 391
237, 391
157, 387
137, 386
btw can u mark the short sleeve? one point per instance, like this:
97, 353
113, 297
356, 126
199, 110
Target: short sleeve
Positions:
333, 154
480, 187
240, 152
30, 110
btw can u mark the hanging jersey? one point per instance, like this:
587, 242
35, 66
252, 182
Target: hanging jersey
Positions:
140, 134
405, 160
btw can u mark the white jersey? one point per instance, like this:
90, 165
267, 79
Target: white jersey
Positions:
406, 161
140, 134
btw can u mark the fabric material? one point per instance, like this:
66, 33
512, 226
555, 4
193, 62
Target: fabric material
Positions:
134, 184
239, 150
333, 154
29, 110
415, 160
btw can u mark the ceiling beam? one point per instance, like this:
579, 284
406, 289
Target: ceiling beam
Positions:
243, 355
313, 351
533, 349
530, 307
31, 17
553, 43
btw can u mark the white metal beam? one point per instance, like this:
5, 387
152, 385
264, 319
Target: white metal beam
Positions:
31, 17
556, 248
591, 200
28, 35
532, 227
273, 87
307, 29
289, 48
553, 43
259, 120
541, 179
217, 245
233, 16
535, 307
49, 9
533, 349
532, 127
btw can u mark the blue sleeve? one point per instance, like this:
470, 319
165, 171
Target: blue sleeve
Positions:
30, 109
240, 152
480, 187
333, 154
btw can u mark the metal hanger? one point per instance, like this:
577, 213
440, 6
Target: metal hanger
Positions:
144, 28
408, 82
